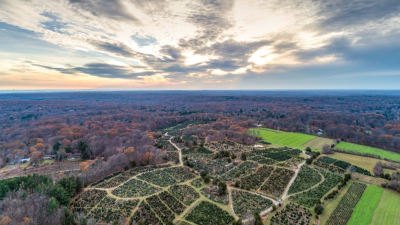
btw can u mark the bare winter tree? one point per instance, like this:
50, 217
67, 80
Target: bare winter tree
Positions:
327, 149
378, 169
33, 208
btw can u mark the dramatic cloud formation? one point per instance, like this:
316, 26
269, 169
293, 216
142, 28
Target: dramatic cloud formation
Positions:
205, 44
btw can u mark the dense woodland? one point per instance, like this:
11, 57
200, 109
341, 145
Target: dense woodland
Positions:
105, 124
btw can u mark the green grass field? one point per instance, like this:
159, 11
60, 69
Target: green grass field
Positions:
289, 139
388, 210
365, 208
366, 149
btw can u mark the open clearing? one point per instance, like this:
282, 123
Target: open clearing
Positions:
366, 149
365, 209
318, 142
282, 138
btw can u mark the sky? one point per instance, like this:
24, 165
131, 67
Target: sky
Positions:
199, 44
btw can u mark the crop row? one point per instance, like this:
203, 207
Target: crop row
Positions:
223, 199
207, 213
255, 180
173, 156
330, 167
110, 209
113, 182
197, 182
263, 160
172, 202
214, 167
134, 188
306, 178
244, 201
158, 177
278, 156
184, 193
88, 198
277, 182
227, 146
163, 212
292, 214
144, 169
342, 164
327, 160
180, 174
239, 170
343, 211
361, 170
310, 197
146, 215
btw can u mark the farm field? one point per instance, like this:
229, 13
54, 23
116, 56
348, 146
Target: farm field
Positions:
306, 178
388, 210
377, 207
345, 207
365, 209
370, 150
282, 138
318, 143
178, 194
360, 161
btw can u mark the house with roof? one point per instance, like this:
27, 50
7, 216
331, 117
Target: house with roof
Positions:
25, 159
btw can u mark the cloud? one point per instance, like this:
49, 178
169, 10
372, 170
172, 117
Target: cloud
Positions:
117, 48
103, 70
205, 40
342, 14
114, 10
211, 17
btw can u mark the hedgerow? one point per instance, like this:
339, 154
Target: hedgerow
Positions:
342, 164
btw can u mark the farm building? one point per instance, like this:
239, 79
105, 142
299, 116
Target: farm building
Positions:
25, 159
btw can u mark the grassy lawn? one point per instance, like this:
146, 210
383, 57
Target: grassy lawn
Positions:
318, 142
295, 140
388, 210
365, 209
370, 150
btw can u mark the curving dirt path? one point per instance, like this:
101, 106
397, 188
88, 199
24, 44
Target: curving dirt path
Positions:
291, 181
179, 150
231, 202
